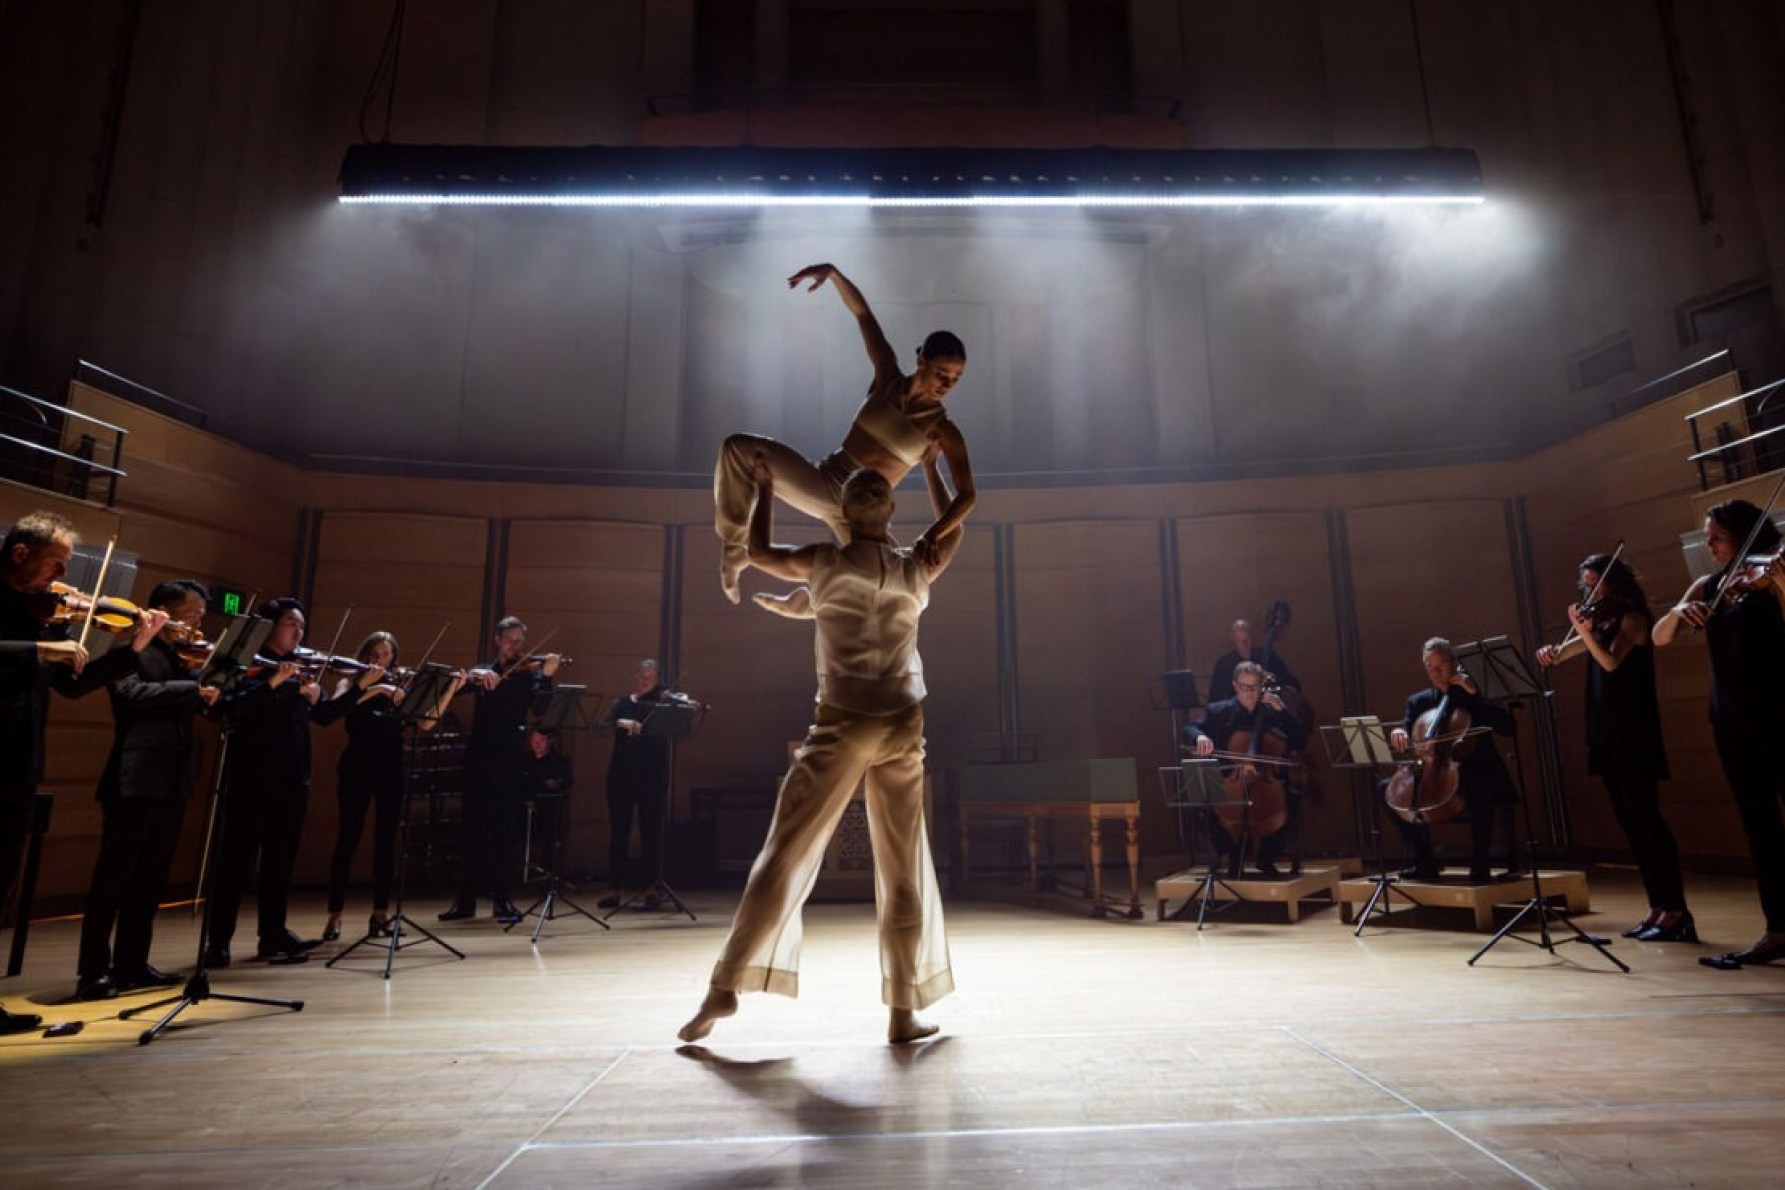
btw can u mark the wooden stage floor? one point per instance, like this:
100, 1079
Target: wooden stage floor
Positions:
1077, 1052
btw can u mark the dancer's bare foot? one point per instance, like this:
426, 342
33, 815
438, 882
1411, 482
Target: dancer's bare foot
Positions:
718, 1005
795, 605
905, 1026
731, 564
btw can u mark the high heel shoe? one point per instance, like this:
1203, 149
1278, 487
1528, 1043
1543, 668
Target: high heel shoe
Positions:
1681, 929
377, 927
332, 931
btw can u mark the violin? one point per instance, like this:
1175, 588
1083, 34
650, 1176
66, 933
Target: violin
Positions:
64, 604
533, 663
311, 665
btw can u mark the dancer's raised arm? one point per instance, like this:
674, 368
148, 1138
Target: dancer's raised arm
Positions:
880, 352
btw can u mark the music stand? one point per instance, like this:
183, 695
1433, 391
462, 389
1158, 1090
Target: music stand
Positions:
426, 692
225, 669
675, 722
554, 711
1196, 785
1501, 675
1359, 743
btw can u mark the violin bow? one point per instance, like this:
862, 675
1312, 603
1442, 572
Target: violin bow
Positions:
1573, 632
329, 657
1765, 519
432, 645
98, 586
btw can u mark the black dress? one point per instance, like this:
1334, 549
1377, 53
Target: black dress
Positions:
1626, 752
1747, 645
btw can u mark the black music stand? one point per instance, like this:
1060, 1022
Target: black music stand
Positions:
675, 722
1501, 675
1196, 785
224, 669
426, 692
555, 711
1360, 744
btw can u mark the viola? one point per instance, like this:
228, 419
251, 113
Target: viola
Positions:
1430, 788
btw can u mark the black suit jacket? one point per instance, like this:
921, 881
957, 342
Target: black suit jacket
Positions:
153, 708
25, 685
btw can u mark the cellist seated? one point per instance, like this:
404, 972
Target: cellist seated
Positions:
1484, 787
1253, 721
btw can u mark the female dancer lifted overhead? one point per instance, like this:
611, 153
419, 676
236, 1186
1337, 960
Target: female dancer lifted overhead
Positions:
900, 425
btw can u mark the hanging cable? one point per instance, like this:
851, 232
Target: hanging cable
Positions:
1419, 58
384, 74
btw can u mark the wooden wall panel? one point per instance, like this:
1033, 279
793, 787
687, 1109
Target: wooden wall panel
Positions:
1090, 633
599, 585
1232, 567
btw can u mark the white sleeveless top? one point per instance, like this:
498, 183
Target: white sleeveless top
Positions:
868, 597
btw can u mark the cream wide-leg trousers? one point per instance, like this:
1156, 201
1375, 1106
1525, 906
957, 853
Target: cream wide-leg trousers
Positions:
762, 954
815, 489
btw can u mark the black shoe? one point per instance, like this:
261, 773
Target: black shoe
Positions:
149, 977
459, 911
1642, 925
504, 911
331, 930
1267, 867
377, 927
1684, 929
217, 956
1736, 960
18, 1022
289, 949
96, 987
610, 901
1481, 875
1420, 872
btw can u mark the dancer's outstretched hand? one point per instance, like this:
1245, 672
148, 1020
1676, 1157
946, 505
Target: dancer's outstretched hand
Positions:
818, 274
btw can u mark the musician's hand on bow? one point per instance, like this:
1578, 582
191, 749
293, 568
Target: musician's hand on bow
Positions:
1398, 739
1548, 655
209, 695
1695, 613
310, 692
487, 678
62, 652
1205, 746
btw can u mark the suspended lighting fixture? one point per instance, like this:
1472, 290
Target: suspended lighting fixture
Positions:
632, 176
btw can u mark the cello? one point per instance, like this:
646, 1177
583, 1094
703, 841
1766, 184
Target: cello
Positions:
1429, 789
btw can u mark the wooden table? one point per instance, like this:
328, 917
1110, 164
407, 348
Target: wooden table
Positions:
1095, 791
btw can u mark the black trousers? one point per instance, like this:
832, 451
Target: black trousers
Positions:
16, 808
1757, 780
136, 851
1636, 803
262, 820
358, 790
644, 791
1478, 812
491, 821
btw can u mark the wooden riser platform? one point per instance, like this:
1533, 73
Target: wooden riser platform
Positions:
1316, 880
1452, 891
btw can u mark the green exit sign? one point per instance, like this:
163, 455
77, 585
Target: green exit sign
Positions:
231, 603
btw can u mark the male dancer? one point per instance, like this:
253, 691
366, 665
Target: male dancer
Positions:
867, 598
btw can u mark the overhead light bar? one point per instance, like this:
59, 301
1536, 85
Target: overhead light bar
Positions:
632, 176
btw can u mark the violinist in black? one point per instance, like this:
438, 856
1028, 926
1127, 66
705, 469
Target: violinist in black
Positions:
1253, 709
1741, 609
637, 781
1221, 678
369, 777
495, 752
1486, 786
266, 788
35, 658
142, 799
1624, 745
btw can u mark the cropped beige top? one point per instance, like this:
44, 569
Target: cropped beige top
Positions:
905, 436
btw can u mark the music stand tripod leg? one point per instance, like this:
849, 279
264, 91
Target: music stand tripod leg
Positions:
546, 907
